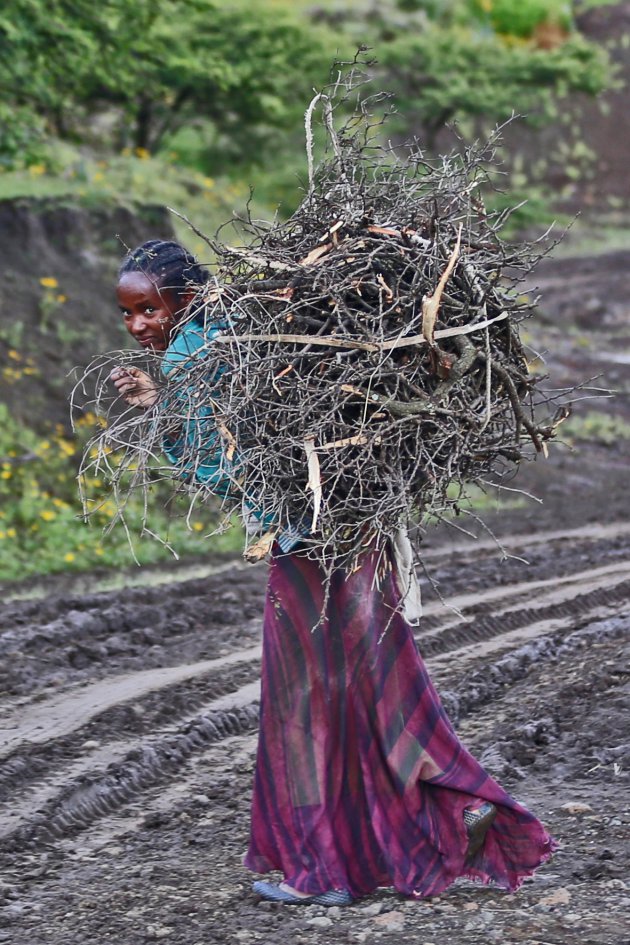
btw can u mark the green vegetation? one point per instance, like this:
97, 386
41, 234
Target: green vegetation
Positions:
486, 60
40, 515
145, 69
476, 500
133, 177
595, 427
224, 78
524, 17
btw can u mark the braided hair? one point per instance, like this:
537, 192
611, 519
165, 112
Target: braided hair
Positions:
167, 264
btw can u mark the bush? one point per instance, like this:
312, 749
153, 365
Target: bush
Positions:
41, 524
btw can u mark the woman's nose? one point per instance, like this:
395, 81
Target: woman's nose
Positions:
137, 324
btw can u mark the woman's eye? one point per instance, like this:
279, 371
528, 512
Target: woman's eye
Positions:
149, 310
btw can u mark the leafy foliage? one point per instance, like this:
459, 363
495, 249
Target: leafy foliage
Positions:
154, 65
522, 17
442, 74
40, 516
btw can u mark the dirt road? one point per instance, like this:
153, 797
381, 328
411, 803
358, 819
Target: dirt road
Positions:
128, 734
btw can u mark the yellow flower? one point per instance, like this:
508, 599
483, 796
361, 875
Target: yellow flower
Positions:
14, 355
36, 170
98, 551
99, 176
68, 557
198, 527
62, 298
44, 445
208, 182
11, 533
143, 154
59, 503
66, 447
6, 474
2, 536
49, 282
48, 515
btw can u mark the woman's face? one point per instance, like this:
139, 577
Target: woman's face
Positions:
150, 313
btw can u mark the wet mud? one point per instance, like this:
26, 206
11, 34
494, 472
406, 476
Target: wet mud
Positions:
126, 776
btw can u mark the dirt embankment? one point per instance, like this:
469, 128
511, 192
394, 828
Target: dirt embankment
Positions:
72, 315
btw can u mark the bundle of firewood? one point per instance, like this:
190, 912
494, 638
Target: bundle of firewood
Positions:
369, 365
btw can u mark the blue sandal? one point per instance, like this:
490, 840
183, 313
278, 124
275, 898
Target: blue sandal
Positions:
478, 822
272, 893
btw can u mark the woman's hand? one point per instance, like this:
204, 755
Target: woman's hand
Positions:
135, 386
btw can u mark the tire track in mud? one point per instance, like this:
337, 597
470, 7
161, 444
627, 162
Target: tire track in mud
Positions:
79, 805
105, 744
79, 801
58, 716
106, 739
201, 620
64, 714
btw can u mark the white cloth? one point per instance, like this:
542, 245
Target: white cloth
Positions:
407, 579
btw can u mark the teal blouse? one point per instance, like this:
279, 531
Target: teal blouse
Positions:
196, 452
197, 434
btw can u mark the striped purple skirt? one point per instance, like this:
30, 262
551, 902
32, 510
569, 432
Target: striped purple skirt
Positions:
360, 779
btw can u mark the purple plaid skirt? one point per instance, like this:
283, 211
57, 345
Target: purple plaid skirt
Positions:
360, 779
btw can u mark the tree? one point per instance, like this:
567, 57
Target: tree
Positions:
439, 75
156, 64
448, 60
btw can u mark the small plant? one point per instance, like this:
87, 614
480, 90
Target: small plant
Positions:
50, 301
41, 526
595, 427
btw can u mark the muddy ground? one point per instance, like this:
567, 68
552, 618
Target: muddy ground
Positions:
129, 717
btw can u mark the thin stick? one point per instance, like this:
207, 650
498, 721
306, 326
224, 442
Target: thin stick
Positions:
431, 303
332, 341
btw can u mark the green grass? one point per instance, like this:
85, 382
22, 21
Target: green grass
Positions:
480, 501
135, 178
610, 233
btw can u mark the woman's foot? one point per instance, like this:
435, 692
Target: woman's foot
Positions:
478, 821
284, 887
274, 892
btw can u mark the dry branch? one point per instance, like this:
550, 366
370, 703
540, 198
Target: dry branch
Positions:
369, 365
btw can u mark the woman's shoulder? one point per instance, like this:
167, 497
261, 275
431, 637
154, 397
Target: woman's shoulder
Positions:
189, 343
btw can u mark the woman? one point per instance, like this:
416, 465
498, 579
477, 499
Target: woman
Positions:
360, 779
